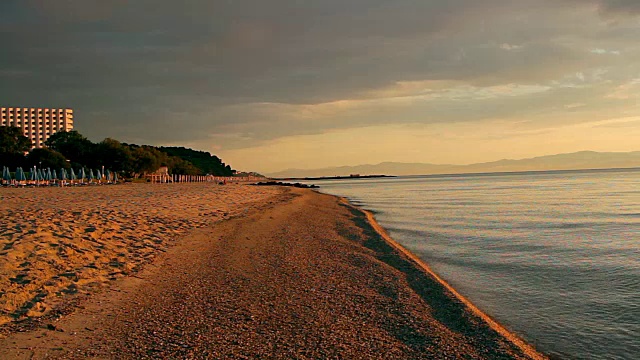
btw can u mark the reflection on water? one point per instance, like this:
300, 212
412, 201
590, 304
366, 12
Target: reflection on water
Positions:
553, 256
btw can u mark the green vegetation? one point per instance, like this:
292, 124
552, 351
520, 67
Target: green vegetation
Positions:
72, 149
13, 145
209, 164
47, 158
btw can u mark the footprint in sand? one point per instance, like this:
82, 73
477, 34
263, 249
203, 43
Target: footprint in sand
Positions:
20, 279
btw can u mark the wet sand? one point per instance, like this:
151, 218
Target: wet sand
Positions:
297, 275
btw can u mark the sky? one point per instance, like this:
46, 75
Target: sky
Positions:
278, 84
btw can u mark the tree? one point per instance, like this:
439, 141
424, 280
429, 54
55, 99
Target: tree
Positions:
204, 161
182, 167
133, 159
144, 160
113, 155
73, 146
46, 158
13, 146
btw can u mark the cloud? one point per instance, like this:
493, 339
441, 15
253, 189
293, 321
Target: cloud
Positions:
600, 51
627, 7
606, 8
510, 47
236, 73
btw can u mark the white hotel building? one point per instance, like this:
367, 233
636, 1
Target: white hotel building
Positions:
37, 124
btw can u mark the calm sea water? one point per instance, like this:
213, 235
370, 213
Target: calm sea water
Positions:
553, 256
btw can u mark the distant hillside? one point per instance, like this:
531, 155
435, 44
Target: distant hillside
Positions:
572, 161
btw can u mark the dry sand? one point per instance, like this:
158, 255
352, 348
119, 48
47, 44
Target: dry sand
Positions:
62, 241
298, 275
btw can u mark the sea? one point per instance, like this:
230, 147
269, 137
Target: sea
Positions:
553, 256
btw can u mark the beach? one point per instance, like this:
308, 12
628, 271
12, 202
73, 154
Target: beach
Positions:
61, 241
235, 271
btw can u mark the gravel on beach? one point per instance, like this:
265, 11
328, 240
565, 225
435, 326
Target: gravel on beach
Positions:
306, 277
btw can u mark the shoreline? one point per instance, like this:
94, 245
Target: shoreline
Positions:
526, 348
302, 264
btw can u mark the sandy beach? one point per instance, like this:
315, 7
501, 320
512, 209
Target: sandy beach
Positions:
56, 242
205, 272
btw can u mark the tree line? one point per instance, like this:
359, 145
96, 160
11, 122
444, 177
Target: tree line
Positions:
72, 149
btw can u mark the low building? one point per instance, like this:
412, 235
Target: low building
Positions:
37, 124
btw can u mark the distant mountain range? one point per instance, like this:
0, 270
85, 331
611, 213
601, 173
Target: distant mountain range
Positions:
572, 161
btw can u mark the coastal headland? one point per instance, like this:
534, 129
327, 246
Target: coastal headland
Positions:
204, 271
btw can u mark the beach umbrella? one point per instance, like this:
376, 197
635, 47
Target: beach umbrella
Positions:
108, 175
82, 175
72, 175
20, 175
115, 177
63, 174
91, 177
98, 175
54, 175
48, 176
39, 175
6, 174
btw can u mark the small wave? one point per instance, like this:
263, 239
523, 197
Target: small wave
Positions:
554, 257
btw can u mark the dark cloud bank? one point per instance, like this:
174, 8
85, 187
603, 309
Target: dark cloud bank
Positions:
164, 71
